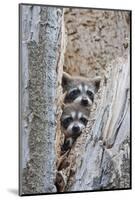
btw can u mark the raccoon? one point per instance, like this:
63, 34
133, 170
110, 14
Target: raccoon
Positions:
73, 120
80, 89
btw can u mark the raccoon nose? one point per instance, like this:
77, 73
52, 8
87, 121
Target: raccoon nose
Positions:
76, 129
84, 102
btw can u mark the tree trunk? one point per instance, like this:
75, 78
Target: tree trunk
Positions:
41, 45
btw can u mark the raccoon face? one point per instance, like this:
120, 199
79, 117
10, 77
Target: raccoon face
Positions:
82, 94
74, 118
79, 89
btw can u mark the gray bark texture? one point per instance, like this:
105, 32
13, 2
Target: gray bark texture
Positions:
41, 44
83, 42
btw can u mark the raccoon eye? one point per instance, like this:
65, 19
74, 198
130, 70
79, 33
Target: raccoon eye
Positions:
74, 93
83, 120
66, 122
90, 94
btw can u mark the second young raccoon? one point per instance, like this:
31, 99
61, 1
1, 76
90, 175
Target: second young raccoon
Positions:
73, 120
80, 89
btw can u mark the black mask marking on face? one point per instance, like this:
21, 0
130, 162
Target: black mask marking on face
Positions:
84, 120
66, 122
72, 95
91, 95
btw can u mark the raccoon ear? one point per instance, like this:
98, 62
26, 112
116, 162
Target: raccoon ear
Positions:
96, 81
66, 78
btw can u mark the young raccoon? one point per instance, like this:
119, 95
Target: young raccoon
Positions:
74, 118
80, 89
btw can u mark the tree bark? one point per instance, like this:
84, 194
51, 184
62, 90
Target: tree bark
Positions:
41, 44
94, 39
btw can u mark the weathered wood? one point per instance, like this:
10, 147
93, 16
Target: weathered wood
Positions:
103, 161
40, 45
